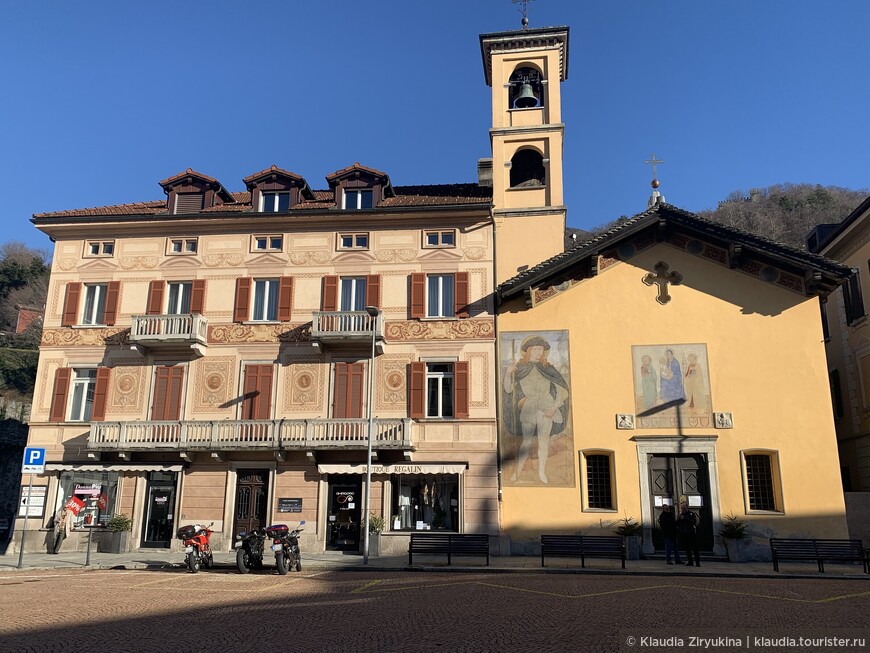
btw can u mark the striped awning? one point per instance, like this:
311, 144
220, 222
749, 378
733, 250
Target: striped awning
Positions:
114, 467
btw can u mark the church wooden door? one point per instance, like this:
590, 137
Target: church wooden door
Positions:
676, 476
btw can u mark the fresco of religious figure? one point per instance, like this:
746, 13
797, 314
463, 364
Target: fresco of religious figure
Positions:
675, 375
536, 415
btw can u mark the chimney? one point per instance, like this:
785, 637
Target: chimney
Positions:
484, 172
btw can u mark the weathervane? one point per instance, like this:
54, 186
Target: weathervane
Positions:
524, 11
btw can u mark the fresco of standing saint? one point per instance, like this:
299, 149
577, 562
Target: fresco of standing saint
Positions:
673, 376
535, 426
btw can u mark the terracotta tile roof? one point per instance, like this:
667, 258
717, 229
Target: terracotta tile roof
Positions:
406, 196
270, 170
356, 166
188, 173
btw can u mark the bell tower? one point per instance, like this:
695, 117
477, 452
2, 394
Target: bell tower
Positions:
525, 69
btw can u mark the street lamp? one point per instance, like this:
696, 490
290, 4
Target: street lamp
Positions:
373, 313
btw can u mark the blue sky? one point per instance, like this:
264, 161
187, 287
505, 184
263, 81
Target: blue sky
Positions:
101, 100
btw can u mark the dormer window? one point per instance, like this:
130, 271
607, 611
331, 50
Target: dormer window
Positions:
188, 202
191, 192
357, 199
274, 202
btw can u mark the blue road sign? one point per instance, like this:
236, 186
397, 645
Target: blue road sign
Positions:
34, 461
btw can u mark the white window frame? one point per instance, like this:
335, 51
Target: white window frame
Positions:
82, 387
441, 377
95, 294
354, 283
357, 193
437, 302
355, 240
439, 234
267, 238
186, 291
186, 246
101, 246
274, 197
264, 287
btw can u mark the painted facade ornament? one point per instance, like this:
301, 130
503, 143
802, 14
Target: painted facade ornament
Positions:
439, 330
671, 386
309, 258
304, 379
232, 333
97, 337
223, 260
139, 262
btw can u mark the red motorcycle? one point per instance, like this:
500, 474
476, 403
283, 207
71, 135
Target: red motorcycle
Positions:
196, 547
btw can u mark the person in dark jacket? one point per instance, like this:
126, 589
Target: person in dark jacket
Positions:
687, 525
668, 524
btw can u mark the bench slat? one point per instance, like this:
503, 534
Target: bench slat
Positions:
819, 550
449, 543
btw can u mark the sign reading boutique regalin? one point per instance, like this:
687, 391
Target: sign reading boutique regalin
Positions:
447, 468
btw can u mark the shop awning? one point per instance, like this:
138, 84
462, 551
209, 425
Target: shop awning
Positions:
96, 467
398, 468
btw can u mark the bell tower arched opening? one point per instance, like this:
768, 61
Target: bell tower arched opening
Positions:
526, 89
527, 169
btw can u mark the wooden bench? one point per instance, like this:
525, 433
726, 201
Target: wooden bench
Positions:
583, 546
467, 544
818, 551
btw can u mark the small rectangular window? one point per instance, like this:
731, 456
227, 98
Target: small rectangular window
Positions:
100, 248
439, 238
357, 199
265, 300
761, 470
353, 241
182, 246
268, 243
439, 295
599, 483
274, 202
439, 390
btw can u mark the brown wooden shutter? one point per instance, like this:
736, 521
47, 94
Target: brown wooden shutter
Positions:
71, 304
242, 311
461, 386
110, 315
101, 394
460, 294
62, 377
197, 296
155, 297
418, 390
373, 290
168, 383
418, 295
329, 300
347, 399
258, 392
285, 298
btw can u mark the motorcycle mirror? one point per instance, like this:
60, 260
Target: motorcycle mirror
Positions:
302, 523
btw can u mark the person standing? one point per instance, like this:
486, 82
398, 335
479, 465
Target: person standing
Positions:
668, 524
687, 527
62, 527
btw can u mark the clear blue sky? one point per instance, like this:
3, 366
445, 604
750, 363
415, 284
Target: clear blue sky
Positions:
101, 100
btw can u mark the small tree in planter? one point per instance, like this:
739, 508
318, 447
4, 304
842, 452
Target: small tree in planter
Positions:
735, 536
631, 531
117, 535
376, 525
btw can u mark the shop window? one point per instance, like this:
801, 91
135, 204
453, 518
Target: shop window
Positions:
274, 202
439, 238
597, 470
103, 248
353, 241
761, 481
425, 502
93, 493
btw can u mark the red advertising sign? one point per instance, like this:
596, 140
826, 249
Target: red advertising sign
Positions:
75, 505
103, 501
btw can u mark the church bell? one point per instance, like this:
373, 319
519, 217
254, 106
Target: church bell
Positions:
526, 98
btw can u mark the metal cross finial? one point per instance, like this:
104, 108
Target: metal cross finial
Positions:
662, 278
654, 161
524, 11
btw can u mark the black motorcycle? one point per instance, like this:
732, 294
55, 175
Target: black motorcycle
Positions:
250, 550
285, 544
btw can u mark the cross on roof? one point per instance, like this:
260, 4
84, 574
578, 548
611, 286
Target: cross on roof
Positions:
654, 161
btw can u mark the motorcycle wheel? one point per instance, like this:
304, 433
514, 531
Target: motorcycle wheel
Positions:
298, 564
243, 561
283, 563
208, 560
193, 562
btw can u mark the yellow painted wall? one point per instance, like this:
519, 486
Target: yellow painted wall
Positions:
766, 366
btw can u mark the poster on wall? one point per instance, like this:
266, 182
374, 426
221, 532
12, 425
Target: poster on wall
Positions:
671, 386
535, 430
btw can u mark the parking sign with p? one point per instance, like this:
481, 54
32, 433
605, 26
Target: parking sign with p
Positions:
34, 461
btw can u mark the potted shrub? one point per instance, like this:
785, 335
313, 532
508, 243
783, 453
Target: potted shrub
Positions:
376, 525
735, 536
117, 534
631, 531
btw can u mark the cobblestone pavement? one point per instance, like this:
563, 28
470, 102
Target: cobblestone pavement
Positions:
221, 610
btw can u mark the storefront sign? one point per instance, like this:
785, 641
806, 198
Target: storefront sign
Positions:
90, 489
32, 501
422, 468
289, 505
